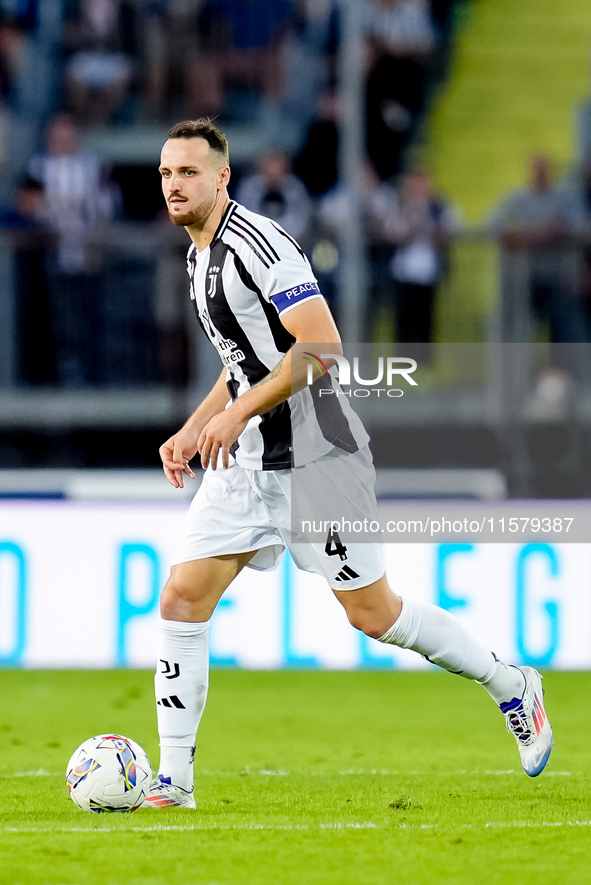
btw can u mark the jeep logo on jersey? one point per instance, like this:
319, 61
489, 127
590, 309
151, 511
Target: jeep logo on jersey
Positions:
395, 366
213, 279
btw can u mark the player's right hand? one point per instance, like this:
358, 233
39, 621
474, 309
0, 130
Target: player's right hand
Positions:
176, 453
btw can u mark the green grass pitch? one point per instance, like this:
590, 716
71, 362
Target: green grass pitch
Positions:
303, 778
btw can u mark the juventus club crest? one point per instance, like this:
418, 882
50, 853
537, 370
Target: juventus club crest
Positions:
213, 280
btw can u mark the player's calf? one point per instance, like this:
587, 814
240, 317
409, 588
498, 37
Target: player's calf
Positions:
443, 640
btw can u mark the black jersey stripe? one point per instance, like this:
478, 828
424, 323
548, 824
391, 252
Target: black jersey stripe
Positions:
291, 239
230, 209
232, 384
204, 321
258, 231
226, 323
275, 425
282, 339
332, 421
191, 265
256, 240
275, 428
200, 321
250, 244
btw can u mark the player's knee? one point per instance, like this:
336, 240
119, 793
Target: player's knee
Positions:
169, 600
367, 621
179, 599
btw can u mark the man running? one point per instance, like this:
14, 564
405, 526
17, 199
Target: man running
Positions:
257, 300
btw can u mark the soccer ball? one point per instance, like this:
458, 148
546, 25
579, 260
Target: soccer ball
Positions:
109, 773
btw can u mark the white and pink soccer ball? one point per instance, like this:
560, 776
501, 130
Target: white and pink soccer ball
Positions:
109, 773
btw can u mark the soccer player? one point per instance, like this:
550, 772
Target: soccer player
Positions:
255, 296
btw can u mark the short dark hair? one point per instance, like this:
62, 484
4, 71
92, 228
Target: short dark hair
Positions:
202, 128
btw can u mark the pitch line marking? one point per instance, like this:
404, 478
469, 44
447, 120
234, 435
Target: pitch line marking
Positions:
157, 828
364, 825
272, 772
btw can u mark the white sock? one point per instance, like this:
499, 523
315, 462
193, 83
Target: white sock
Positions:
443, 640
180, 683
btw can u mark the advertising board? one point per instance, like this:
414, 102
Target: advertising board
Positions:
79, 587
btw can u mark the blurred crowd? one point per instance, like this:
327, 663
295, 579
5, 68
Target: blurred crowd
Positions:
68, 203
271, 63
267, 60
545, 232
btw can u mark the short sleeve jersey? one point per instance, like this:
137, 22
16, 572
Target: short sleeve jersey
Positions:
251, 274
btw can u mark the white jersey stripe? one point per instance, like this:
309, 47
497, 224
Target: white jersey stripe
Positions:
236, 226
224, 222
245, 221
249, 243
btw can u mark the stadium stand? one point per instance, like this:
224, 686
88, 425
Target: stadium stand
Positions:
518, 72
516, 77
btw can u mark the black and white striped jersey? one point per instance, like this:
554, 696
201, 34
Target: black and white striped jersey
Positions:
251, 273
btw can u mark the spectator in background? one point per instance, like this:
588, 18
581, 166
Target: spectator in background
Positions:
310, 66
442, 12
377, 203
542, 222
24, 218
100, 35
26, 211
23, 14
399, 27
420, 227
17, 19
77, 200
171, 43
316, 22
400, 37
317, 162
78, 195
242, 42
278, 194
585, 288
36, 359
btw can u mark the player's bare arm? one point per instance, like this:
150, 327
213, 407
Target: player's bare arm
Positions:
311, 321
177, 452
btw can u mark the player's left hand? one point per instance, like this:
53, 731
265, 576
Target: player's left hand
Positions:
220, 434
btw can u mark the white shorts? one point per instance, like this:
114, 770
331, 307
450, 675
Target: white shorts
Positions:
237, 510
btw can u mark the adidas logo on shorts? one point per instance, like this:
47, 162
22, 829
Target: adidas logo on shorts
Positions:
346, 574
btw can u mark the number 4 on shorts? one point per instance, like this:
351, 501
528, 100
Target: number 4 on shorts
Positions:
334, 545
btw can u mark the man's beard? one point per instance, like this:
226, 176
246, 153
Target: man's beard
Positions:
183, 220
